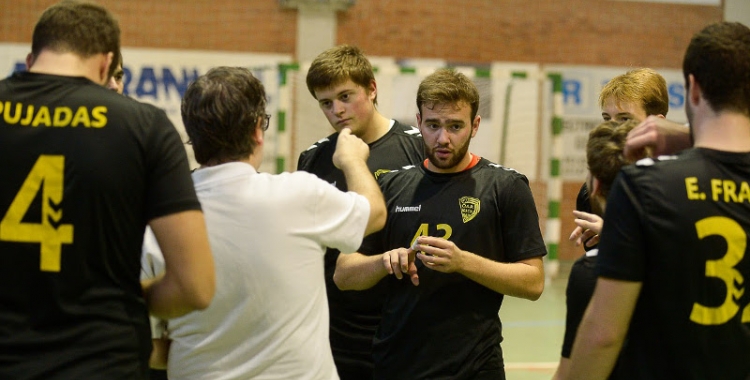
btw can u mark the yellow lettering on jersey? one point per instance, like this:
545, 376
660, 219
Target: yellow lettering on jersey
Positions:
100, 116
447, 230
715, 189
42, 117
13, 113
46, 177
29, 115
723, 269
691, 187
378, 172
728, 191
12, 119
424, 230
81, 117
744, 194
62, 116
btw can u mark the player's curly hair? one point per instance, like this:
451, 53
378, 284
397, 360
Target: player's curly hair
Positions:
604, 156
448, 86
337, 65
220, 110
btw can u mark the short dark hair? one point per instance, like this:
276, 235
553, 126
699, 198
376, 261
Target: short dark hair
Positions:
78, 27
337, 65
605, 158
220, 110
719, 58
447, 86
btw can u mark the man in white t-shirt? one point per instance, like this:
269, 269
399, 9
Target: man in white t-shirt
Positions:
269, 318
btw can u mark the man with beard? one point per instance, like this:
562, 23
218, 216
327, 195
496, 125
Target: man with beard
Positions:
673, 264
461, 233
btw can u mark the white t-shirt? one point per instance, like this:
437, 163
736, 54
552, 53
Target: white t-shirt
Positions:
269, 316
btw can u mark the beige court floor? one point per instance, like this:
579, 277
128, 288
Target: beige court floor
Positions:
533, 332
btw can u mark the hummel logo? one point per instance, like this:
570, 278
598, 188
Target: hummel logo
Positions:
408, 208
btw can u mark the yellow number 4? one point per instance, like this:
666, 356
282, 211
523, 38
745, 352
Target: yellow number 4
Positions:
47, 175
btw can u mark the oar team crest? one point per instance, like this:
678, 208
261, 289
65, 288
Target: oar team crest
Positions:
469, 208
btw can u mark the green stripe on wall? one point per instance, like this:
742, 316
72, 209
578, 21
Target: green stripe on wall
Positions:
283, 68
554, 167
552, 251
556, 81
282, 121
553, 209
408, 70
482, 73
280, 165
519, 74
557, 125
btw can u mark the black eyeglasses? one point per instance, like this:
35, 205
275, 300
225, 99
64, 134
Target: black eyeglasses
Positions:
268, 121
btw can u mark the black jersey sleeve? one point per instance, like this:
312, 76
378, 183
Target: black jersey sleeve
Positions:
169, 185
520, 221
304, 162
372, 244
622, 244
317, 158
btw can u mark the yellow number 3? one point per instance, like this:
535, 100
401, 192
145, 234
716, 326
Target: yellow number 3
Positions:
723, 269
46, 174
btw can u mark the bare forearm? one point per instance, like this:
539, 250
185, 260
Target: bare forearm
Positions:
159, 353
356, 271
524, 279
189, 280
603, 329
593, 356
167, 299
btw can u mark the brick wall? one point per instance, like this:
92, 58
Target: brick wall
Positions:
597, 32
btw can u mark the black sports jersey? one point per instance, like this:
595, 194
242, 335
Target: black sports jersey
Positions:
581, 283
84, 169
448, 326
680, 226
354, 315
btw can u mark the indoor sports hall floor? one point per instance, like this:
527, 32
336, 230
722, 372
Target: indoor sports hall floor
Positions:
533, 332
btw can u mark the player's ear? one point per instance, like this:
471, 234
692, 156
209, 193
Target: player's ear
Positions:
475, 125
257, 134
596, 187
694, 91
104, 65
372, 90
29, 60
